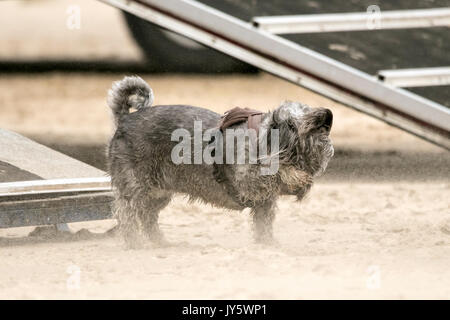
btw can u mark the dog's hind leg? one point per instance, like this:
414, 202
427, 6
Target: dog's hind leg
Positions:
263, 217
148, 216
126, 213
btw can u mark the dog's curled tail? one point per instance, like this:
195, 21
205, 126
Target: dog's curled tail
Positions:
131, 92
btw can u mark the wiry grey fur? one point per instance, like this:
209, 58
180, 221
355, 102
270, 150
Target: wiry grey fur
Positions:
144, 178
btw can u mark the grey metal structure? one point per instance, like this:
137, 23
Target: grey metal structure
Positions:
288, 60
48, 187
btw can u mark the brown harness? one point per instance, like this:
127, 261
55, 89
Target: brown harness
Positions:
237, 115
231, 117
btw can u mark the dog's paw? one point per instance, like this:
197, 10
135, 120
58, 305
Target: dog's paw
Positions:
162, 242
267, 240
133, 242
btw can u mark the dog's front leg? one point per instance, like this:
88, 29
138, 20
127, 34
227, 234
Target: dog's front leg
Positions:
148, 216
263, 217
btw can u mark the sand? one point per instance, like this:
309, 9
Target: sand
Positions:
377, 225
345, 241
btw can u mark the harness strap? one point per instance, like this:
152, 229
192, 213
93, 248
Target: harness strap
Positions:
231, 117
237, 115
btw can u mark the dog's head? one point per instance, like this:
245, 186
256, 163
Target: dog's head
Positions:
304, 136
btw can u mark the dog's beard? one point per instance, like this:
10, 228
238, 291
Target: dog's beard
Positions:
313, 152
324, 152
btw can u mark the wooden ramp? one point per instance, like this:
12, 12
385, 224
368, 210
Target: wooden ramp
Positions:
40, 186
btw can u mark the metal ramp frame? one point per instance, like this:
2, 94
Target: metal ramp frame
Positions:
40, 186
290, 61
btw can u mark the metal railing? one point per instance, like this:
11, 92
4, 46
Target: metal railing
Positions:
423, 77
360, 21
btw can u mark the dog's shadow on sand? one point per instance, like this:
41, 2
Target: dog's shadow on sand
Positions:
51, 235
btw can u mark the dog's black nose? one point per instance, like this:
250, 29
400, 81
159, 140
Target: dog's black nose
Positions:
328, 119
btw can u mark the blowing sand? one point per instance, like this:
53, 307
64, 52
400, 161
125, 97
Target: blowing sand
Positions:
345, 241
377, 225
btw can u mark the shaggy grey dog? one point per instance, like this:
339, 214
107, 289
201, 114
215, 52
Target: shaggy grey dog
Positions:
144, 176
